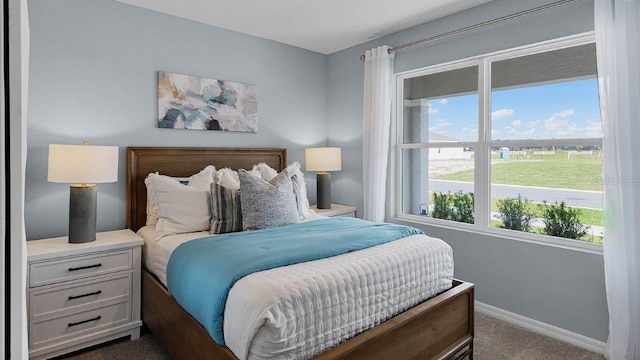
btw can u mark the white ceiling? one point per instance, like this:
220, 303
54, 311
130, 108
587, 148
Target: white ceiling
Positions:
324, 26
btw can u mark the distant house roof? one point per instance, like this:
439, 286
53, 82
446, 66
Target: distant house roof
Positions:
442, 138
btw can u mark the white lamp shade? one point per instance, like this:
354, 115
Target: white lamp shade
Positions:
83, 164
323, 159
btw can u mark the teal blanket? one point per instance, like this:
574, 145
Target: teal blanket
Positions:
201, 272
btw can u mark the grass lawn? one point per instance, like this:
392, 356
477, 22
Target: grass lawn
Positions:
554, 171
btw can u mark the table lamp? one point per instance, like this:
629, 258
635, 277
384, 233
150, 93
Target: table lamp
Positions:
82, 166
323, 159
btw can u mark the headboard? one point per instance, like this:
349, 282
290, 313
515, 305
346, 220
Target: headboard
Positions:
184, 162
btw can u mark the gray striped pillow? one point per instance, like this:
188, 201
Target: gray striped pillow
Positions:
226, 210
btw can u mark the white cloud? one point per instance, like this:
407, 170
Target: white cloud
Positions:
558, 124
563, 113
517, 123
433, 110
515, 134
434, 128
593, 128
468, 133
531, 124
554, 125
443, 102
444, 122
501, 114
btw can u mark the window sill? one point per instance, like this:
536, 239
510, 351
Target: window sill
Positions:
539, 239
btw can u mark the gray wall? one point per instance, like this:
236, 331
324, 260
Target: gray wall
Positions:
560, 287
93, 77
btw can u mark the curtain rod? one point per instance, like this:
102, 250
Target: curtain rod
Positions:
478, 26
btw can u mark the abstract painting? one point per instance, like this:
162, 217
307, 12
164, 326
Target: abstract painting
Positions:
190, 102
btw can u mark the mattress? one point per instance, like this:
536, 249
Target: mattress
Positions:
298, 311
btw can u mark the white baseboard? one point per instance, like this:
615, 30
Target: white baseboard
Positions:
551, 331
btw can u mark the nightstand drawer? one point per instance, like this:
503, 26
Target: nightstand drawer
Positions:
81, 323
81, 294
42, 273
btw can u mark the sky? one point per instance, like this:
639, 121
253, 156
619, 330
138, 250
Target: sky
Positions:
563, 110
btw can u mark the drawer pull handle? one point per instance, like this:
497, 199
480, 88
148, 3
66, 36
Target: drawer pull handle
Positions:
85, 267
85, 321
84, 295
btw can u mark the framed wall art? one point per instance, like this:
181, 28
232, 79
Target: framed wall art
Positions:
196, 103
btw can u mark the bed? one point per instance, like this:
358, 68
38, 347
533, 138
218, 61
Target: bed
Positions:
439, 328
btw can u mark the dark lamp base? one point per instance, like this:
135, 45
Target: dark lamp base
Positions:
323, 190
83, 201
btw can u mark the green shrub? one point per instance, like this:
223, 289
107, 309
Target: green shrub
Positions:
561, 220
455, 207
462, 207
514, 213
441, 207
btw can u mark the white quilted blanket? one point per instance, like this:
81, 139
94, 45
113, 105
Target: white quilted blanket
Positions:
298, 311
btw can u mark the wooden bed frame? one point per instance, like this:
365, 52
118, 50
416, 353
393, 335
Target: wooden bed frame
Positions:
439, 328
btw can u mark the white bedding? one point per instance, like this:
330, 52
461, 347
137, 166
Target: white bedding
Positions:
298, 311
156, 254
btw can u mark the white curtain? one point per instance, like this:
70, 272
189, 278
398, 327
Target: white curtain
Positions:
378, 69
617, 26
17, 149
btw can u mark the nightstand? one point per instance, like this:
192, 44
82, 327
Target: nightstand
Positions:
82, 294
336, 210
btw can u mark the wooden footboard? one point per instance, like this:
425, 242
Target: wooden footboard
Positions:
439, 328
181, 336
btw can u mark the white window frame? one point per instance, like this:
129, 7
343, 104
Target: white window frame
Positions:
482, 161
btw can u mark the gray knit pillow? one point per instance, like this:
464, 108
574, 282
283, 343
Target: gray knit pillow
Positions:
267, 204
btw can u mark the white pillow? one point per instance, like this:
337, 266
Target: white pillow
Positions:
201, 181
228, 178
266, 172
180, 208
182, 212
294, 170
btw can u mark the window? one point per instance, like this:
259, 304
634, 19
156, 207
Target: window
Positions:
505, 142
